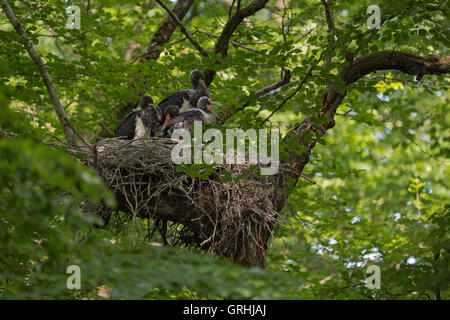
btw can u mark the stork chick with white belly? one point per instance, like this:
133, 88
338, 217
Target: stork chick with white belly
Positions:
204, 113
139, 123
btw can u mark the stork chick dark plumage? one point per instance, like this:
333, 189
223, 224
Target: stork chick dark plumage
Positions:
148, 119
139, 123
204, 113
187, 98
169, 113
200, 90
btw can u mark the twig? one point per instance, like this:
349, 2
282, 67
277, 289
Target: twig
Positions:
58, 139
42, 70
104, 127
6, 135
285, 79
181, 40
76, 132
183, 29
234, 43
299, 87
308, 178
228, 30
39, 7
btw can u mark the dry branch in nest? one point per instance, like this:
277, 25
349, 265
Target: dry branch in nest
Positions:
233, 219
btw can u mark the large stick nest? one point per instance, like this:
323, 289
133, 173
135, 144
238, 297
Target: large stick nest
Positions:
233, 218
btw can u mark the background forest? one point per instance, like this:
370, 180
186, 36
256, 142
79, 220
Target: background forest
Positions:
374, 192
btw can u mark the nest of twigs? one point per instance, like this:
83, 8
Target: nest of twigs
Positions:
232, 218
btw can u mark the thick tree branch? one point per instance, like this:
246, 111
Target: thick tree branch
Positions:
230, 27
183, 29
329, 15
42, 70
166, 29
384, 60
395, 60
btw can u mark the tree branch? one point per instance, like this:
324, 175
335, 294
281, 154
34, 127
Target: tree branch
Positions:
166, 29
401, 61
230, 27
330, 22
329, 15
6, 135
384, 60
234, 43
183, 29
285, 79
42, 70
299, 87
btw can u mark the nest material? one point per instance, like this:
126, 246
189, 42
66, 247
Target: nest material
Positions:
233, 219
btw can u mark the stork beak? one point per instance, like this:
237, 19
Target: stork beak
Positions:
166, 121
211, 109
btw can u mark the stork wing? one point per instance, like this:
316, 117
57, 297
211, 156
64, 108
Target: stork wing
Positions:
176, 98
127, 126
182, 121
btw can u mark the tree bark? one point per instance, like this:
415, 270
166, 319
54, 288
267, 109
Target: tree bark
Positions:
166, 29
183, 29
222, 44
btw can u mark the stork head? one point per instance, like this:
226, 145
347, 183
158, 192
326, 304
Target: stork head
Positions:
205, 104
151, 116
146, 102
196, 77
171, 112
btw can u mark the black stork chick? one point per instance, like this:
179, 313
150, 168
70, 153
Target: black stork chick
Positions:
200, 90
169, 113
187, 98
138, 123
182, 101
204, 113
148, 119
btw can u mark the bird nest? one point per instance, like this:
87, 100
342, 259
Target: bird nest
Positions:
233, 218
